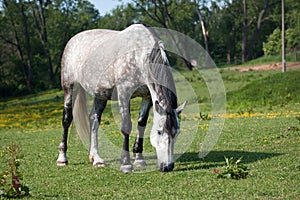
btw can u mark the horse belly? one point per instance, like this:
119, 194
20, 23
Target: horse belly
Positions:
142, 91
111, 94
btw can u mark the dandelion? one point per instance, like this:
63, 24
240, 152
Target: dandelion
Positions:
265, 139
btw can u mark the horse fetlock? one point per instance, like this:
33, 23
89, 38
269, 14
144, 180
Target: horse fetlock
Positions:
125, 158
62, 148
94, 117
139, 160
138, 156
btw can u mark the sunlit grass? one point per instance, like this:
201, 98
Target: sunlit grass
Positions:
262, 136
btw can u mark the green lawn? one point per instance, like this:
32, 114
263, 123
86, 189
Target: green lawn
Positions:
266, 134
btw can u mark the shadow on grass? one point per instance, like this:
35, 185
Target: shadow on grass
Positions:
191, 161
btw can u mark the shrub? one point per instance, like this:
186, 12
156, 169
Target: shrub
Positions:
273, 44
235, 170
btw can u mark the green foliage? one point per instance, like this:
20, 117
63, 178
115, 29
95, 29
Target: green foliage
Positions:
10, 180
274, 41
273, 44
293, 39
233, 169
120, 18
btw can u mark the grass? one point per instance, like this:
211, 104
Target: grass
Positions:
270, 150
290, 57
279, 89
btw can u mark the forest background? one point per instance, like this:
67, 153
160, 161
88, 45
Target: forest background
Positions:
33, 33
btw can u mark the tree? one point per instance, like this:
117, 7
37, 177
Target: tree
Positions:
15, 26
33, 34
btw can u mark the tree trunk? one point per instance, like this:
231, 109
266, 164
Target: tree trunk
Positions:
244, 33
257, 29
228, 56
27, 44
204, 31
39, 17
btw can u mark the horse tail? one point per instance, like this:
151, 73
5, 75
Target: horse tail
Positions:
80, 114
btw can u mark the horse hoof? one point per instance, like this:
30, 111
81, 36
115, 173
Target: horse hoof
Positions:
126, 169
61, 163
140, 163
99, 164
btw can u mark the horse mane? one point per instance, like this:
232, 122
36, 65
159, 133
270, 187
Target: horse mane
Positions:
161, 75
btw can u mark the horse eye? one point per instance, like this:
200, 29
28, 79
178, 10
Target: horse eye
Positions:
159, 132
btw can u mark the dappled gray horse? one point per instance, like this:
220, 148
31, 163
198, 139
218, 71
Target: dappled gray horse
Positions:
120, 65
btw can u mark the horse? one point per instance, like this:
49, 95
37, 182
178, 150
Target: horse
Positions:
120, 65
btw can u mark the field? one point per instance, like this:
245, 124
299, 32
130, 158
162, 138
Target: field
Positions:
262, 125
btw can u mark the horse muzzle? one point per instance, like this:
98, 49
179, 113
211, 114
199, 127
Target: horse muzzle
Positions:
166, 168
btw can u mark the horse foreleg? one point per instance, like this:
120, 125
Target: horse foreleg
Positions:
95, 119
142, 122
124, 104
66, 122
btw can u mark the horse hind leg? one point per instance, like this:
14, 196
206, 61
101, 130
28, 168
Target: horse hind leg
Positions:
142, 122
66, 122
95, 119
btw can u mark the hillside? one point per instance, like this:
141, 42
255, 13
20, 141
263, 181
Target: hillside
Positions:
274, 90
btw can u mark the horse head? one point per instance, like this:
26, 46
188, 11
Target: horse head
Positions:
164, 132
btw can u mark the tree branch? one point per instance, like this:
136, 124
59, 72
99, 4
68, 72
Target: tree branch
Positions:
8, 41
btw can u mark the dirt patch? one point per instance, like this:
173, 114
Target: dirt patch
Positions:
266, 67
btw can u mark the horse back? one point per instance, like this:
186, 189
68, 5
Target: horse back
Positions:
77, 52
99, 60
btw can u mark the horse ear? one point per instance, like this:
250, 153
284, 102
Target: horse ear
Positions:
181, 107
159, 108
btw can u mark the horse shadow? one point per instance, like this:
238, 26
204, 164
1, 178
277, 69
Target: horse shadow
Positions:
191, 160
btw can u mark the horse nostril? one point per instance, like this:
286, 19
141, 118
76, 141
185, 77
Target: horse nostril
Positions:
168, 168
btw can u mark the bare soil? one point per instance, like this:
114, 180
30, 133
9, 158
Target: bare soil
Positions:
266, 67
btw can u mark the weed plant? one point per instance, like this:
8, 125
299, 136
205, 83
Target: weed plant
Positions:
10, 180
